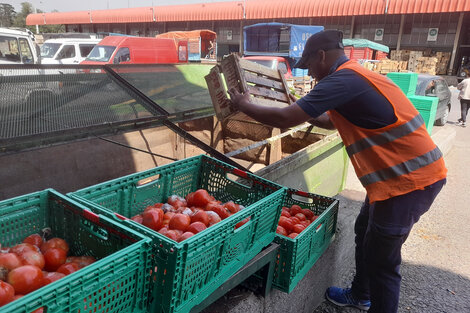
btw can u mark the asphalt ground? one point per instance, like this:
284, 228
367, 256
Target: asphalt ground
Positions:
436, 257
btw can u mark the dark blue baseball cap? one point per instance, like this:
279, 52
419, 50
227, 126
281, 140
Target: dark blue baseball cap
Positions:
324, 40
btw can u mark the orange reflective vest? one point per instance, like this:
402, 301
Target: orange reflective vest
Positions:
392, 160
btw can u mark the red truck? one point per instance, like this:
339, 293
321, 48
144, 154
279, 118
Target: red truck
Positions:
138, 50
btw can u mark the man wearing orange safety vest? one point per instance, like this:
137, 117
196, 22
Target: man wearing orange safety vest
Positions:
394, 157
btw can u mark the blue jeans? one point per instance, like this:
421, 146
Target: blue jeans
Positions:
381, 229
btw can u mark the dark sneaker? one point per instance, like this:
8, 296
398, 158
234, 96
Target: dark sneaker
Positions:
344, 297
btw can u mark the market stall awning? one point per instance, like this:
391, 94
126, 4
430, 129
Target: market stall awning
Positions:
364, 43
250, 9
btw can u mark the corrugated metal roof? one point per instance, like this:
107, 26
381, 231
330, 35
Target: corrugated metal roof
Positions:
78, 17
427, 6
263, 9
200, 12
128, 15
254, 9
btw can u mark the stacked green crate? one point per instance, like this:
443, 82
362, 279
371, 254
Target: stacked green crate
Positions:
406, 81
427, 107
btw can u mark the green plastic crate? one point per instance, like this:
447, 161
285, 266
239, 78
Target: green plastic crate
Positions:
188, 272
298, 255
427, 107
116, 282
406, 81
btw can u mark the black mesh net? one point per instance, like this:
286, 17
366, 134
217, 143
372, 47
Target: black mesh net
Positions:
39, 100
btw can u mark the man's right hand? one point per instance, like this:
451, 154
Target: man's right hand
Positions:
239, 101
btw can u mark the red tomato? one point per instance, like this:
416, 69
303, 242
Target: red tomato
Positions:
180, 221
242, 222
305, 223
172, 235
54, 258
40, 310
214, 218
33, 258
7, 292
295, 220
295, 209
10, 261
292, 235
137, 218
210, 206
221, 211
50, 277
176, 201
163, 230
82, 261
185, 236
298, 228
22, 248
232, 207
68, 268
34, 239
55, 243
301, 216
308, 214
199, 198
166, 219
25, 279
196, 227
286, 223
200, 216
285, 213
153, 219
16, 297
281, 231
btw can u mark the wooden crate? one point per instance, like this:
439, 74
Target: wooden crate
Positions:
266, 86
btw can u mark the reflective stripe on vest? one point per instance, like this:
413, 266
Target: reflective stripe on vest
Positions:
402, 168
386, 137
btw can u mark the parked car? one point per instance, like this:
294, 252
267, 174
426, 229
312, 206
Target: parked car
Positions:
66, 50
273, 62
18, 46
435, 86
138, 50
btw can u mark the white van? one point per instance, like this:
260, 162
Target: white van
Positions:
17, 46
66, 50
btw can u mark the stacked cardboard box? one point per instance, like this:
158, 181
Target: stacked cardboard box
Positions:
422, 61
443, 59
426, 65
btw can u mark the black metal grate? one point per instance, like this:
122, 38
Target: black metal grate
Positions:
38, 100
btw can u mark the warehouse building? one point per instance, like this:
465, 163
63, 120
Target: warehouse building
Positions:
425, 25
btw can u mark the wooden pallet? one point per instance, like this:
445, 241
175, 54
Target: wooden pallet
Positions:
266, 86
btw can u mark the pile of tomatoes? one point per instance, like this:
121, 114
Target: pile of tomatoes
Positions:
294, 220
35, 263
180, 218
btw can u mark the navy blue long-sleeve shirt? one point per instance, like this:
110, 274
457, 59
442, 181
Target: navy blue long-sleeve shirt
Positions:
351, 96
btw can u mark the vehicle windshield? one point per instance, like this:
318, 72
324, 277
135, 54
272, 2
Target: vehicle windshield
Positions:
48, 50
101, 53
268, 63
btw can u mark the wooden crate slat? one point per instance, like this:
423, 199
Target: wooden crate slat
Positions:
259, 80
268, 103
268, 93
263, 70
218, 94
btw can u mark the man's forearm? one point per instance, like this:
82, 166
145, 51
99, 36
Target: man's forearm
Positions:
267, 115
323, 121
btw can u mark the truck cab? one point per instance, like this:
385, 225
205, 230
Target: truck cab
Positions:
18, 47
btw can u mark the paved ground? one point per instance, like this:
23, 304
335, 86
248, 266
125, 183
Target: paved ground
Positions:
436, 256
